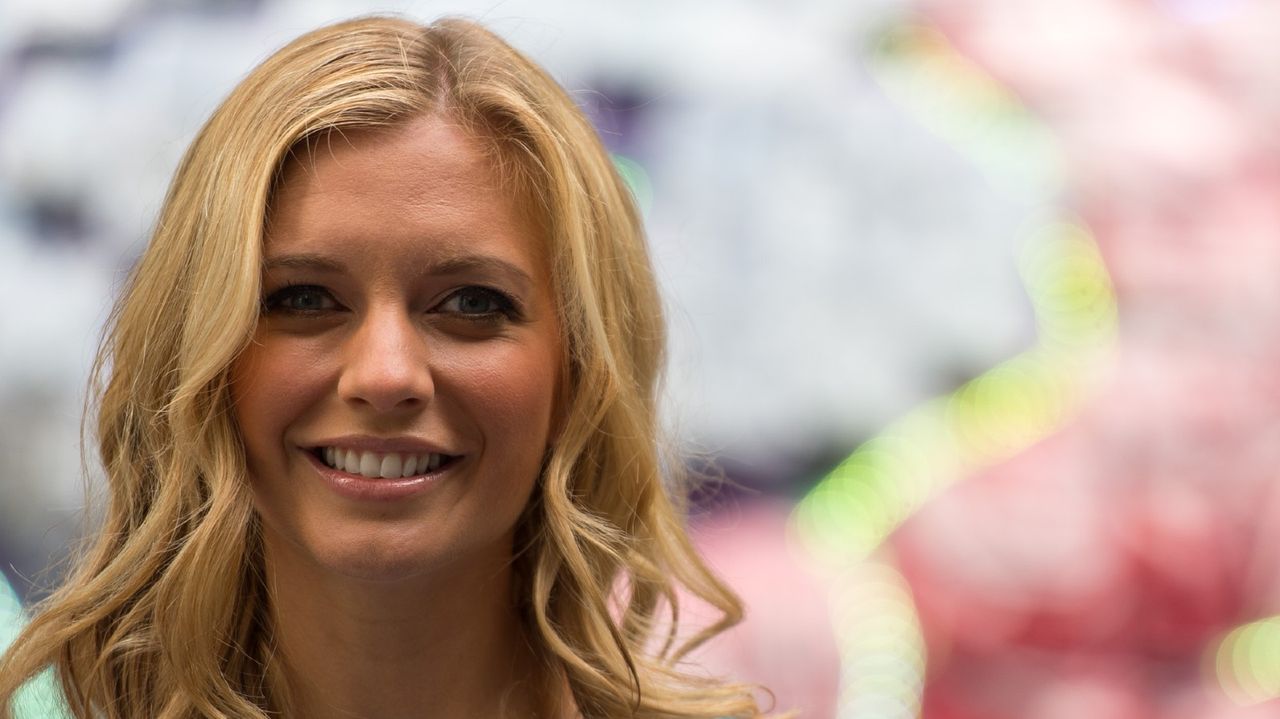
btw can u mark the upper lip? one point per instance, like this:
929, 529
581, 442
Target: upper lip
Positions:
383, 445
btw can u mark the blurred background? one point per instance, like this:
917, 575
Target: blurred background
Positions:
975, 302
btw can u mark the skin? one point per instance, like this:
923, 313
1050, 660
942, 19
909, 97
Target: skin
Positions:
373, 326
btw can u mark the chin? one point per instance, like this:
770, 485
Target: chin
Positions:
375, 564
379, 553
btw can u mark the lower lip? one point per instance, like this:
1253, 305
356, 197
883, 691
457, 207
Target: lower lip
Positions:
366, 489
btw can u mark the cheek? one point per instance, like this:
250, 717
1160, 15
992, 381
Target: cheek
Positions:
273, 384
514, 394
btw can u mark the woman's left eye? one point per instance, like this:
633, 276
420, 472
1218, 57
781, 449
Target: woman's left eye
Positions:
478, 301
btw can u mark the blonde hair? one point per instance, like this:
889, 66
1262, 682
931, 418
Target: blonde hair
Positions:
136, 630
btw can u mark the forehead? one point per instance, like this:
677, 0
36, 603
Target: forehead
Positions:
425, 184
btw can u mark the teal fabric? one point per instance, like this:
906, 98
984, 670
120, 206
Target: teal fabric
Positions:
40, 698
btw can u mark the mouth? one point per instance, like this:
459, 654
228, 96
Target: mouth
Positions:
382, 465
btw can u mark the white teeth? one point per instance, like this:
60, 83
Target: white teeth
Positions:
376, 465
390, 466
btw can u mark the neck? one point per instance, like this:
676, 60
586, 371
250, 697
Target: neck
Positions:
449, 645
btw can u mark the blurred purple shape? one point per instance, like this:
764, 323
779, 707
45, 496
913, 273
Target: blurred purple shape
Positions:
1201, 11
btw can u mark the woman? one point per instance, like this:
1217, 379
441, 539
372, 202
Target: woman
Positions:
377, 411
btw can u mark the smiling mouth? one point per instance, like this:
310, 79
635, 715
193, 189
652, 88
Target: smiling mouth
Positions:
382, 465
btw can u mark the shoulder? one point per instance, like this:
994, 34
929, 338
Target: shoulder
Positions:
11, 615
39, 698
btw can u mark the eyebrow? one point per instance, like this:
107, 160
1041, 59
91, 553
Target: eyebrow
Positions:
302, 262
452, 265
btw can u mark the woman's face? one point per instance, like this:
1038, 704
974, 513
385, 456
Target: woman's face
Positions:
399, 395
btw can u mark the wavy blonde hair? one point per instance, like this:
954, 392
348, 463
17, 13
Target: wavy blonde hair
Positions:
136, 630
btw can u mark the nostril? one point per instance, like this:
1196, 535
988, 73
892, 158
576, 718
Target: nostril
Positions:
387, 391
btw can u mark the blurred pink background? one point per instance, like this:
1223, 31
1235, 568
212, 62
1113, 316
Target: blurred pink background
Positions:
1096, 571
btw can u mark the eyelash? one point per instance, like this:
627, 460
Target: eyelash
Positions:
503, 303
275, 302
504, 306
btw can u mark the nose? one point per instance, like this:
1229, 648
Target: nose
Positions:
385, 364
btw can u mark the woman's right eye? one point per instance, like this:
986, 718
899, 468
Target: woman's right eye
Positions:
299, 299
